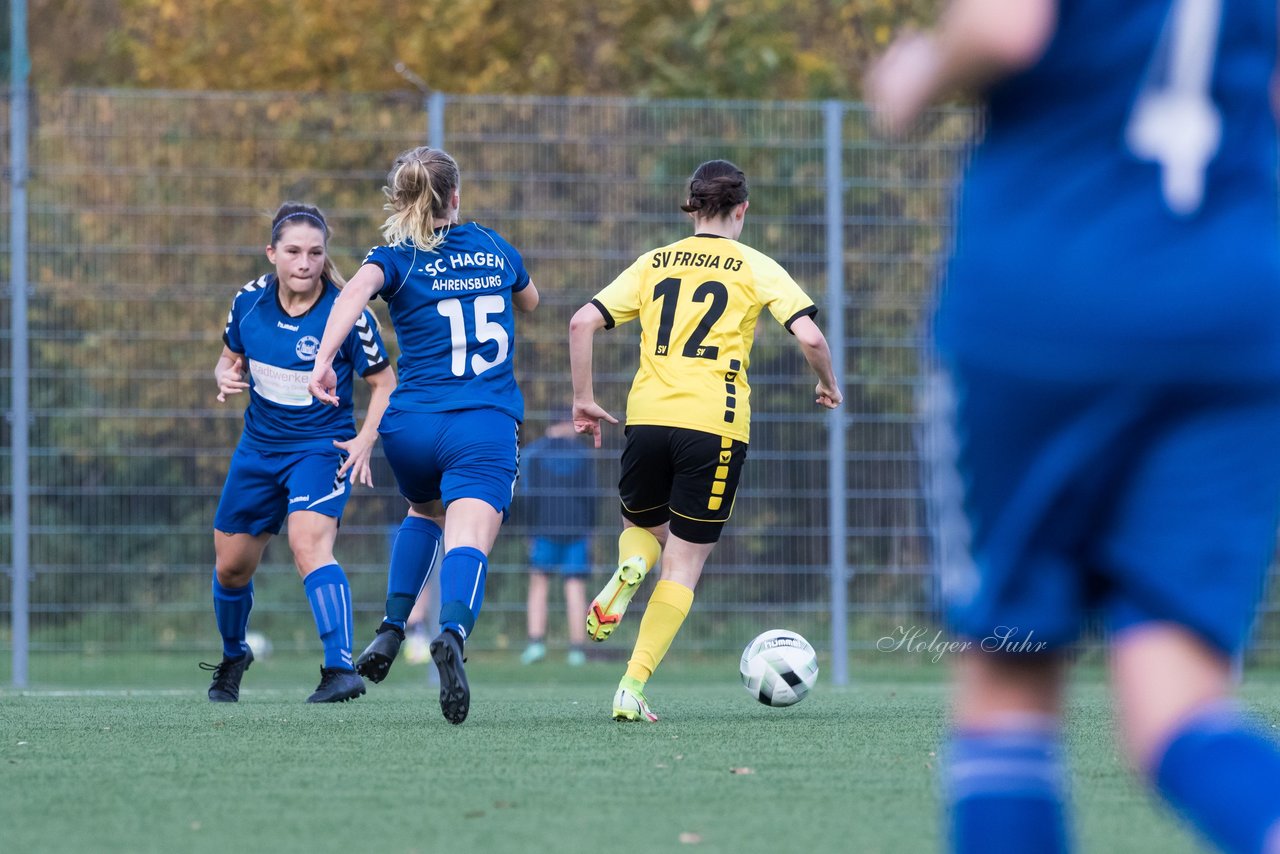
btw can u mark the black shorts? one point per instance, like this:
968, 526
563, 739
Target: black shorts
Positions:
686, 477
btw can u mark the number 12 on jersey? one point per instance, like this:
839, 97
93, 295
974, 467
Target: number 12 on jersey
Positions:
483, 308
716, 297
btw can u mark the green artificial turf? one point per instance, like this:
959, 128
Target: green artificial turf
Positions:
537, 767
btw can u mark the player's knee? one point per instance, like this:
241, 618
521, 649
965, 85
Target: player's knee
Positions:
1163, 675
1142, 734
309, 554
992, 689
233, 573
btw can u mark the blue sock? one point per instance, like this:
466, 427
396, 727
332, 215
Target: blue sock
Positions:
231, 607
413, 553
1223, 775
330, 599
462, 574
1005, 791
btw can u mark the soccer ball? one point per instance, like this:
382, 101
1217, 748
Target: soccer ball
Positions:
259, 643
779, 668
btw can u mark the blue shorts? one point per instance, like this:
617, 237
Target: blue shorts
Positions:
1141, 501
570, 557
471, 453
264, 486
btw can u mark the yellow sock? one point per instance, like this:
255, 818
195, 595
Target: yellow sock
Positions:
638, 541
668, 606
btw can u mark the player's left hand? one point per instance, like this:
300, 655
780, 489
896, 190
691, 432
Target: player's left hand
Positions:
359, 452
587, 416
902, 82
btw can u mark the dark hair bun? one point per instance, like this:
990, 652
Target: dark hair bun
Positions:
716, 188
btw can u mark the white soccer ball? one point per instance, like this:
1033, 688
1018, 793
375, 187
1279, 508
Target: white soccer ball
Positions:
259, 643
779, 668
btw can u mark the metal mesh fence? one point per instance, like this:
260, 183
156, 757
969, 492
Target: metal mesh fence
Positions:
149, 210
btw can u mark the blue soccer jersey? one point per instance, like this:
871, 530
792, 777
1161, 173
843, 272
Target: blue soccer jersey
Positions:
1099, 212
454, 321
1110, 331
280, 351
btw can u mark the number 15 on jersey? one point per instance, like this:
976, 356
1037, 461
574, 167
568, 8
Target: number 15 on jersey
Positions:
483, 311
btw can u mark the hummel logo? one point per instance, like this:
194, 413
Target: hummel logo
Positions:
299, 498
280, 324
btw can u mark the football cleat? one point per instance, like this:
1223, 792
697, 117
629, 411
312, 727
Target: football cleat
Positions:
630, 705
455, 693
225, 687
337, 686
611, 603
576, 658
375, 662
533, 653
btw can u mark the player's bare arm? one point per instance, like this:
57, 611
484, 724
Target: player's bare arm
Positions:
526, 299
353, 300
587, 414
818, 354
976, 43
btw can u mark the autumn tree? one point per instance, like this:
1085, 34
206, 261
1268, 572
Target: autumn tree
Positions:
658, 48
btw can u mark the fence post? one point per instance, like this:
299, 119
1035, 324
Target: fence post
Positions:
833, 122
19, 69
435, 139
435, 119
432, 105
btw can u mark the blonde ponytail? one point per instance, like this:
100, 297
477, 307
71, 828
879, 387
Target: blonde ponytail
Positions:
331, 273
419, 186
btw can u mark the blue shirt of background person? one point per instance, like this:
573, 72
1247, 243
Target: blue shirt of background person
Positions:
280, 349
558, 504
453, 317
558, 485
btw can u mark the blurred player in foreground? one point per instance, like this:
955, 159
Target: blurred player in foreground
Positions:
689, 413
296, 453
1110, 339
451, 432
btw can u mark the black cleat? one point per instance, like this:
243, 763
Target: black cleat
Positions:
225, 687
337, 686
375, 662
455, 694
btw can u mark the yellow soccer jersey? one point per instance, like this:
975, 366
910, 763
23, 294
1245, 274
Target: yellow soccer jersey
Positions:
698, 301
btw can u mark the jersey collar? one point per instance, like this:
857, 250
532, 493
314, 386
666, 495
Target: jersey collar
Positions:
275, 282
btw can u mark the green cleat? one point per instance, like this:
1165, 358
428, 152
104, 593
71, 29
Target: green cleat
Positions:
611, 603
533, 653
629, 704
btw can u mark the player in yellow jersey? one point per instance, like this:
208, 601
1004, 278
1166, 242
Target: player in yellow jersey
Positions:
689, 412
